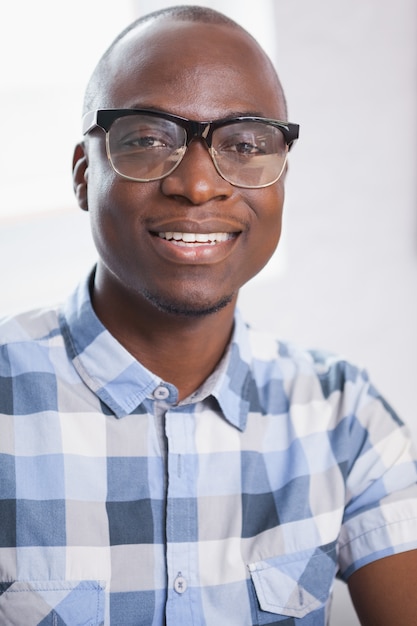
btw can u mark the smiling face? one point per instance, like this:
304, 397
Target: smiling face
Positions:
184, 244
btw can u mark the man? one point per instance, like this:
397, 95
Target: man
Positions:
160, 462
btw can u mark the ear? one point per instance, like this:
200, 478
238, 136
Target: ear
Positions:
79, 175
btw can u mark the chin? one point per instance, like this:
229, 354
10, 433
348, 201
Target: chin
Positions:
188, 309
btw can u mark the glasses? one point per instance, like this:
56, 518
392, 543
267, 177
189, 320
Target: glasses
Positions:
145, 145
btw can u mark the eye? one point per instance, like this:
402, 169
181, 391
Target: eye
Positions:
144, 134
241, 143
248, 139
245, 147
242, 140
145, 139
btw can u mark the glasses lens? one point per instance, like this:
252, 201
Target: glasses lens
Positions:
143, 147
249, 154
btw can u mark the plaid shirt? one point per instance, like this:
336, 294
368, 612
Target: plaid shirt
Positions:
120, 506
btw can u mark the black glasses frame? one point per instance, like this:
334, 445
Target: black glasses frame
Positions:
104, 118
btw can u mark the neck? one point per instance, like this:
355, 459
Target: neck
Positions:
182, 350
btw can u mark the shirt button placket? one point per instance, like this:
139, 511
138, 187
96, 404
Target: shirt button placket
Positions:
181, 547
180, 584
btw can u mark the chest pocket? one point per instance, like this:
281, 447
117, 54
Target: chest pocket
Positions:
52, 603
294, 585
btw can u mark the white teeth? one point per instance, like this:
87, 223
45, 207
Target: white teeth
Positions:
211, 238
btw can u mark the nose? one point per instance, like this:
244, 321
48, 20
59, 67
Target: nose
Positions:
196, 178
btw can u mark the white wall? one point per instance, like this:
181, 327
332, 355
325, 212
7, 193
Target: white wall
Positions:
345, 275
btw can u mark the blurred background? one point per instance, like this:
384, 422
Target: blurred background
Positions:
345, 275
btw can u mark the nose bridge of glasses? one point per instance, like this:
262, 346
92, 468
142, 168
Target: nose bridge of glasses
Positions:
199, 130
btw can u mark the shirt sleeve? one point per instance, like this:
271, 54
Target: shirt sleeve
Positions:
380, 516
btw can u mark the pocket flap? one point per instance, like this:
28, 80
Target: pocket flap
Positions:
66, 603
296, 584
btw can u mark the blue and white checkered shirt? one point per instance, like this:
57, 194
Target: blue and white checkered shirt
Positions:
238, 506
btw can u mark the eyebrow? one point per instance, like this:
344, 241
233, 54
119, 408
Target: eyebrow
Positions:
234, 114
230, 116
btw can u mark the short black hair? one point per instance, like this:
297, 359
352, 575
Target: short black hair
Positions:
189, 13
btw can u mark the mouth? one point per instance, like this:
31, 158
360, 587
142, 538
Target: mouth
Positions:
196, 239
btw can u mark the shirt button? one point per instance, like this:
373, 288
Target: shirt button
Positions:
161, 393
180, 584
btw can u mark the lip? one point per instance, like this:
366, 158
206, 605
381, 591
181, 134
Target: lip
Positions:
200, 252
167, 243
204, 226
193, 252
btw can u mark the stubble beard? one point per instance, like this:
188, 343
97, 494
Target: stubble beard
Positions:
190, 310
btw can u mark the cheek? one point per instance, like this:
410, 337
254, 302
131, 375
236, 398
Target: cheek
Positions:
113, 217
101, 179
103, 226
268, 217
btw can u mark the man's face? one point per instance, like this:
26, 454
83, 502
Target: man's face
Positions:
202, 72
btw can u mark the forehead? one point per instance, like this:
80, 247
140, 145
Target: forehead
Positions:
192, 69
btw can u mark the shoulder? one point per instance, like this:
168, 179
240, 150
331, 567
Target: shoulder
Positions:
332, 369
31, 327
31, 352
317, 380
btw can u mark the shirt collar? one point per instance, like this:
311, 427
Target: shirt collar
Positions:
122, 383
104, 365
236, 391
